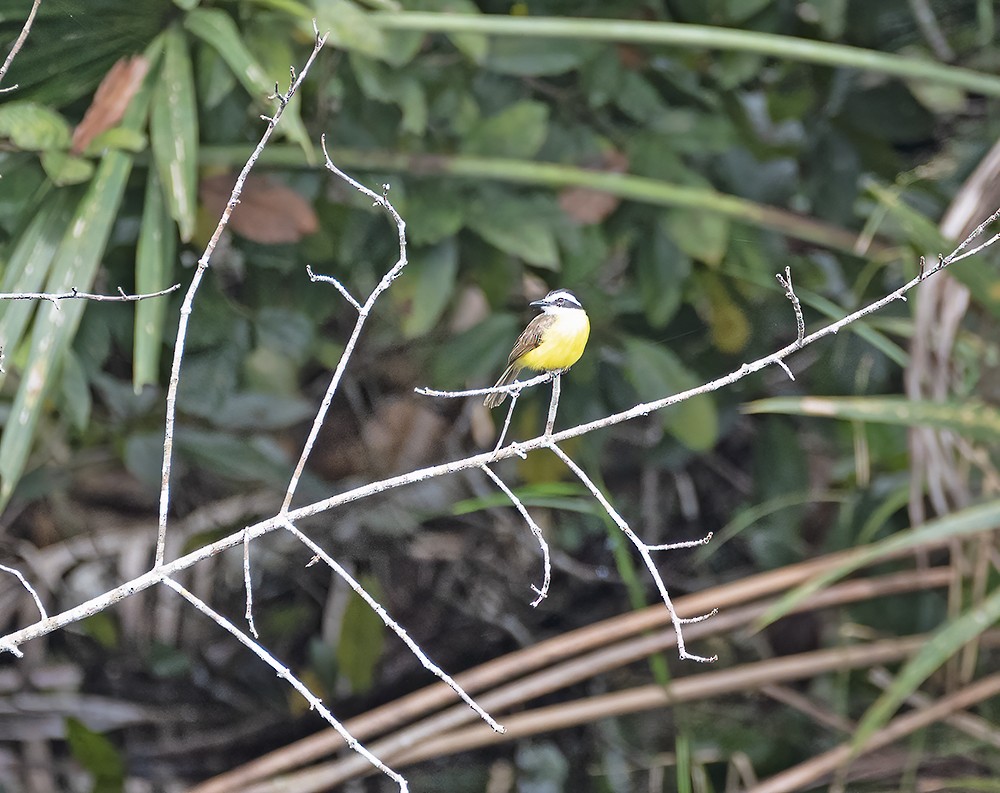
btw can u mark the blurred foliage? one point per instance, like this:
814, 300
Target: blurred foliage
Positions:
665, 183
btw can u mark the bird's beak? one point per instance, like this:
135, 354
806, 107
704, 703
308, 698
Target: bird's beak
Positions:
537, 302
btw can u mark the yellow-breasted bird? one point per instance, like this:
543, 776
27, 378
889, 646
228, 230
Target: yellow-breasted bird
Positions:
553, 341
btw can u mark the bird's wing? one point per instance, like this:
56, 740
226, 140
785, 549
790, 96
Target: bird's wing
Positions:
530, 337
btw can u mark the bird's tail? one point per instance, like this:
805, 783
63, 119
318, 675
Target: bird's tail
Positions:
508, 377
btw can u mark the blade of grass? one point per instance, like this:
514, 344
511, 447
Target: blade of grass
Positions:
972, 520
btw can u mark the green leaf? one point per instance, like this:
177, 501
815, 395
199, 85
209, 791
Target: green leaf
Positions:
362, 638
30, 262
351, 28
74, 392
517, 132
97, 755
256, 460
973, 420
75, 265
289, 332
434, 211
533, 57
217, 29
702, 235
655, 372
33, 127
262, 412
64, 168
520, 227
154, 266
424, 288
661, 269
956, 634
174, 132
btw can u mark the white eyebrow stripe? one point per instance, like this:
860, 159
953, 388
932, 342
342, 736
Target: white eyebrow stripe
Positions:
565, 294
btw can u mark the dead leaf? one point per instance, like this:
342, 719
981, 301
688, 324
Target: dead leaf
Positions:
268, 212
110, 100
589, 206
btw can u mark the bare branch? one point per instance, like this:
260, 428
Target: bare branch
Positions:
513, 389
186, 307
29, 587
800, 323
363, 312
644, 552
248, 585
546, 562
76, 294
21, 38
327, 279
390, 623
315, 703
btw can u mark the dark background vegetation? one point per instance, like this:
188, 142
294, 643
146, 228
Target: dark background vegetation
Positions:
752, 162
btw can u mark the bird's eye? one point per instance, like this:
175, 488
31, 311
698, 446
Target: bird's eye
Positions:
561, 301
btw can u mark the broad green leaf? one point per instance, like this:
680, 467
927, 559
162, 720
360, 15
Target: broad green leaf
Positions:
351, 28
287, 331
973, 420
243, 459
662, 270
118, 138
33, 127
517, 132
154, 266
75, 265
515, 226
655, 372
262, 412
96, 754
64, 168
956, 633
174, 131
434, 211
702, 235
424, 288
534, 57
362, 638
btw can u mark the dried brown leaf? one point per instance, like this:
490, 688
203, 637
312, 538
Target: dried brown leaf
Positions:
268, 212
588, 206
110, 100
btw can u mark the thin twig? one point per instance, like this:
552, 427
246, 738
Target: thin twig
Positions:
513, 388
186, 307
644, 552
315, 703
800, 323
21, 38
328, 279
535, 529
248, 585
363, 312
76, 294
390, 623
29, 587
506, 422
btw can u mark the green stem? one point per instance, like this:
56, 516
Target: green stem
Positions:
554, 175
717, 38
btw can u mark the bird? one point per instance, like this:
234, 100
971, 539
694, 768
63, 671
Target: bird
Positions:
552, 342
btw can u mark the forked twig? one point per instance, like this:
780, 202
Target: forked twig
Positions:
187, 306
315, 703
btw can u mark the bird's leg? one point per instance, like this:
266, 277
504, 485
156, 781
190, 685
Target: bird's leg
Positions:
554, 403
